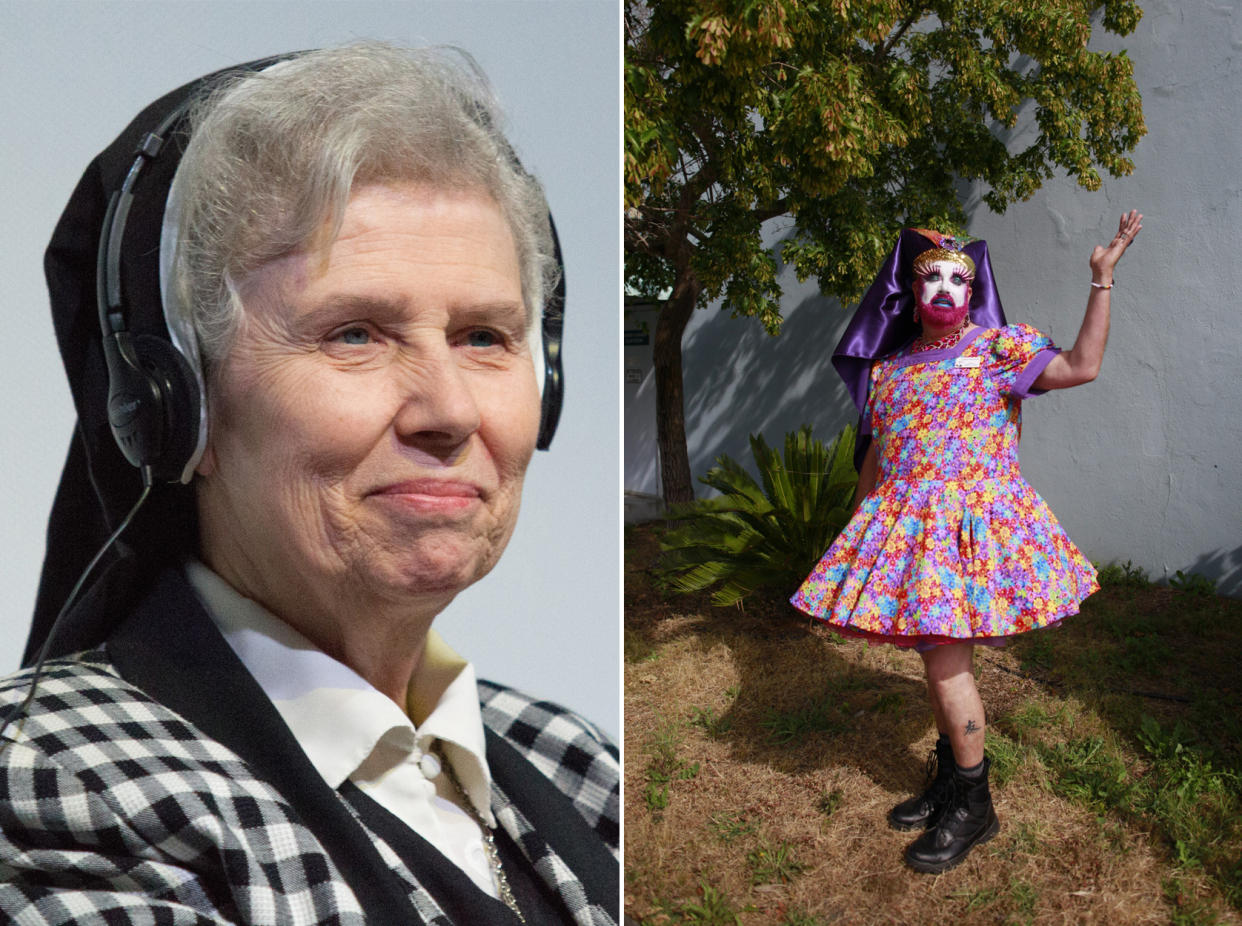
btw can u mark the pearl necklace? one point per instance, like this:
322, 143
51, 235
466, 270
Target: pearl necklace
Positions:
944, 343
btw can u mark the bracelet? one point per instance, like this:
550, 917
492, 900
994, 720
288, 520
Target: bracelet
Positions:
1101, 285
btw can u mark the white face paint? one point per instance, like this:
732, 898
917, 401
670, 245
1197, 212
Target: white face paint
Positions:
943, 294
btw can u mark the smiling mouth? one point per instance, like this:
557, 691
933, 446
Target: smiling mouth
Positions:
430, 495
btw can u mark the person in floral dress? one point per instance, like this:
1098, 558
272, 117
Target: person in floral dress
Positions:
949, 547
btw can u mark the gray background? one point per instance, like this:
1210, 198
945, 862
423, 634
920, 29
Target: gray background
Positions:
72, 75
1144, 464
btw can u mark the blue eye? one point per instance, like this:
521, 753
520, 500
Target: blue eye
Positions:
481, 337
958, 279
355, 335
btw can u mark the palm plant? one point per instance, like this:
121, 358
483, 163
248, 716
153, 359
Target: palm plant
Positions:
767, 535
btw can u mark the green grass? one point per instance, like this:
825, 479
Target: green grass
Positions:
830, 801
712, 909
705, 718
1135, 663
1128, 712
977, 899
637, 649
891, 702
1022, 839
1143, 655
1187, 909
1036, 653
1193, 806
823, 716
656, 797
1023, 896
1089, 771
1007, 756
665, 765
729, 827
799, 918
771, 864
1036, 715
1123, 623
1194, 803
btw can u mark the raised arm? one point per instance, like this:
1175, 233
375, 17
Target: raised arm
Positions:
1081, 363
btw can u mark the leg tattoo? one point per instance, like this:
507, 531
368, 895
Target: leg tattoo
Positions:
971, 728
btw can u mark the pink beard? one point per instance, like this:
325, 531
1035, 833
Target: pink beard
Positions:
940, 316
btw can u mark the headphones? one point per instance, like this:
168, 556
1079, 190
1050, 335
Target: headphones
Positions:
155, 405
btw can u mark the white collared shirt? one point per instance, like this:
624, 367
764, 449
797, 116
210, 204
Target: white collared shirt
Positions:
350, 731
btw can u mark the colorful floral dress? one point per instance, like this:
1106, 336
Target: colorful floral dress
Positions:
952, 544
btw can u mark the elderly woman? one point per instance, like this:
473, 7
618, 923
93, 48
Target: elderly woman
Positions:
249, 718
949, 547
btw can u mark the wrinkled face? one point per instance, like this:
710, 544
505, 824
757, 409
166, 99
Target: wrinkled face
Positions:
373, 419
943, 293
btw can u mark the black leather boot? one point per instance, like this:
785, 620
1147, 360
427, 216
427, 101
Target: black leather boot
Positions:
967, 821
925, 808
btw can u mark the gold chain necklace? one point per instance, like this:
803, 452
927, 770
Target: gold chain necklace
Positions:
489, 841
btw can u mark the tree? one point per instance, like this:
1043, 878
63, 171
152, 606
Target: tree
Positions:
855, 118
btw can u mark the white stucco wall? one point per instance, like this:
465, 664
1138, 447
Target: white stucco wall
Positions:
642, 470
1145, 464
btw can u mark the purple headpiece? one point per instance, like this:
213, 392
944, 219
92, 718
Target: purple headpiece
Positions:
884, 320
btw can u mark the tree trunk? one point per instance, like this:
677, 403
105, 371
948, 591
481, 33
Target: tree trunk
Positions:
670, 394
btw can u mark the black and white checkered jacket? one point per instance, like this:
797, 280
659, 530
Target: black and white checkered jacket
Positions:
152, 781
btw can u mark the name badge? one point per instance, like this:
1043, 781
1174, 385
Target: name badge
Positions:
968, 363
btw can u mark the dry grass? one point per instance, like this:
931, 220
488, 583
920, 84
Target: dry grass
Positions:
762, 755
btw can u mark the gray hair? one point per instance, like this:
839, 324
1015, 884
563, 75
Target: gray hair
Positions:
274, 155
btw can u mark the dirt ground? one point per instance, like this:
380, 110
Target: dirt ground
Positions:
762, 754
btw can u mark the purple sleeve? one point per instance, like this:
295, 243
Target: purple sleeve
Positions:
1019, 355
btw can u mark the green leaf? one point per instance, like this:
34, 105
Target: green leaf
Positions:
764, 534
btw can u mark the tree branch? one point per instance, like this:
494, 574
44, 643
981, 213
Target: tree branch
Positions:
771, 210
884, 49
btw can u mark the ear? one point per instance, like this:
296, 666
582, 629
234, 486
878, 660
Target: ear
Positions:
207, 462
207, 465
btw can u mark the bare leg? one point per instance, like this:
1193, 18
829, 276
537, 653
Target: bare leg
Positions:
968, 819
955, 700
938, 712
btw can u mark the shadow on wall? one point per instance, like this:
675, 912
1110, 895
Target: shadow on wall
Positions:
741, 381
642, 455
1225, 567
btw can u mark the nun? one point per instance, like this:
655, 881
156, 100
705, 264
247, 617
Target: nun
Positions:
309, 309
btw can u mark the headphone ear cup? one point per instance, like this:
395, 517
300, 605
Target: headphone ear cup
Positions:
181, 405
553, 327
553, 379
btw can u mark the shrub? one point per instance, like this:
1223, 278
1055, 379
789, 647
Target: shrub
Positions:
1124, 574
767, 535
1192, 582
